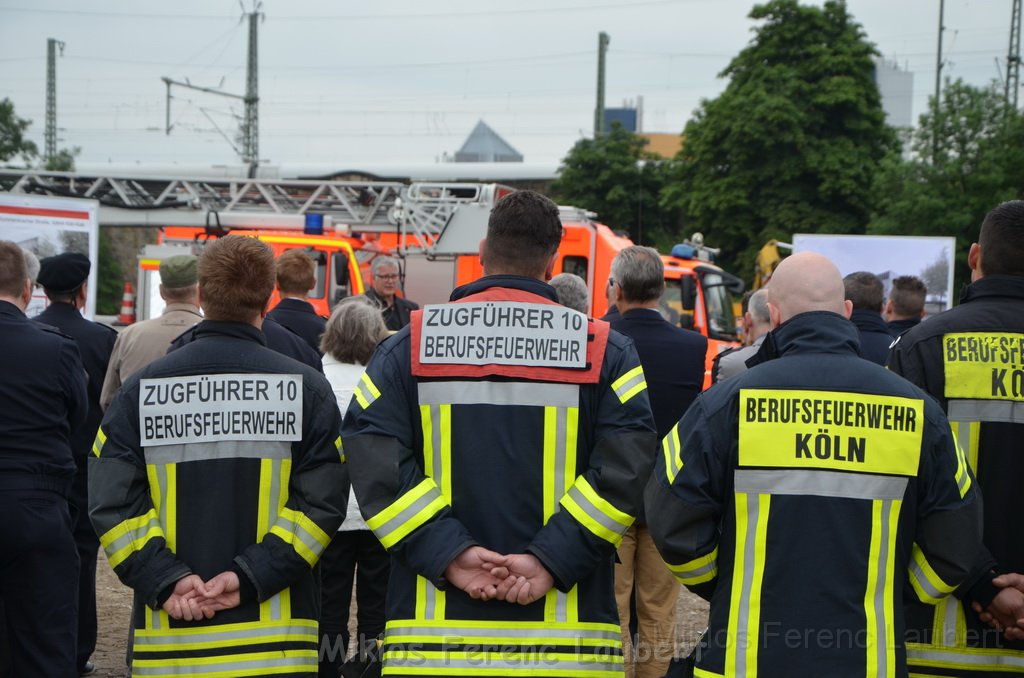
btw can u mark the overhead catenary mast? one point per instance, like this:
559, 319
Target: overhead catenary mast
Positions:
50, 135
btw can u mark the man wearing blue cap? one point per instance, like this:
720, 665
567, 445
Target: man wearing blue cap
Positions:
65, 280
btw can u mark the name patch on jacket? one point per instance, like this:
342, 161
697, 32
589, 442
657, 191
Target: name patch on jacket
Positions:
984, 365
830, 430
503, 333
219, 407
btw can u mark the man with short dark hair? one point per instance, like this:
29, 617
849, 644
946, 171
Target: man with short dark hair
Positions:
65, 280
296, 276
673, 362
143, 342
969, 359
499, 446
43, 391
216, 483
384, 293
866, 292
905, 307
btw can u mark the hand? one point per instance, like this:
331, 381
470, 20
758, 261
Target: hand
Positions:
223, 592
478, 572
528, 580
1015, 580
183, 602
1006, 611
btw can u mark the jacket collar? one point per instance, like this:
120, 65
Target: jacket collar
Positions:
181, 306
994, 286
9, 309
648, 314
811, 332
515, 282
215, 328
293, 304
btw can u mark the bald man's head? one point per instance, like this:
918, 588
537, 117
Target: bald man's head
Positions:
804, 282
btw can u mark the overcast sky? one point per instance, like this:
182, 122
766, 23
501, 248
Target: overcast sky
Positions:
359, 83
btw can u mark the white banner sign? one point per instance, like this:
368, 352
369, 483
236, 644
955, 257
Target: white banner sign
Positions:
503, 333
220, 407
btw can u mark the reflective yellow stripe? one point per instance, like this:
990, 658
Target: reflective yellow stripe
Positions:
673, 452
230, 665
966, 659
264, 516
830, 430
421, 503
366, 392
879, 592
595, 513
101, 439
228, 635
754, 617
298, 530
701, 673
130, 536
928, 585
743, 631
341, 449
965, 438
170, 521
698, 570
629, 384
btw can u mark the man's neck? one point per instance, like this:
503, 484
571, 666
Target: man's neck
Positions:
13, 300
626, 306
300, 297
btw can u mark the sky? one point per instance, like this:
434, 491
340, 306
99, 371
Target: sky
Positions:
347, 85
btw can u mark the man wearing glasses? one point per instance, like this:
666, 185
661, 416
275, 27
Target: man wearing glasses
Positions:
394, 308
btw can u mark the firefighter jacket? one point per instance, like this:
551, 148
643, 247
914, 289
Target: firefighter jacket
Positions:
508, 421
800, 497
221, 455
971, 359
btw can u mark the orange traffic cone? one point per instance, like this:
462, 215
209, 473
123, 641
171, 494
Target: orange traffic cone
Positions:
127, 315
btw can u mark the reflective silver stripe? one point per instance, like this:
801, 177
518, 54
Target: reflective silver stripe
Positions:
922, 580
214, 635
407, 514
673, 452
301, 533
594, 512
229, 449
133, 535
527, 394
275, 501
562, 598
436, 444
1009, 411
821, 484
429, 599
511, 666
881, 622
982, 659
695, 573
747, 585
155, 620
623, 389
950, 612
453, 634
230, 664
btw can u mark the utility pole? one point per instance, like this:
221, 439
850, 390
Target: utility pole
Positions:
251, 126
938, 85
1013, 58
50, 135
602, 49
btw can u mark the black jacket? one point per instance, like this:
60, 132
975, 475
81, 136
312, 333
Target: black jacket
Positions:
396, 316
43, 392
278, 337
801, 497
874, 335
673, 362
970, 359
898, 327
301, 318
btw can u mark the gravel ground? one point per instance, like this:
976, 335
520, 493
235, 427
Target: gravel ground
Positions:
114, 604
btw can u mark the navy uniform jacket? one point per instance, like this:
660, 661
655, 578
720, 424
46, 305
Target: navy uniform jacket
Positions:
301, 318
44, 398
801, 497
278, 337
223, 455
673, 360
970, 359
95, 342
898, 327
874, 335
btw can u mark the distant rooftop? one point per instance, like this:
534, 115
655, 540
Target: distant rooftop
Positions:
484, 145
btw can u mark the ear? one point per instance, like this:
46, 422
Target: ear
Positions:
549, 270
774, 315
889, 309
26, 292
974, 261
481, 249
848, 308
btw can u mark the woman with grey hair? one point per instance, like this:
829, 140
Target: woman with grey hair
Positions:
349, 339
572, 292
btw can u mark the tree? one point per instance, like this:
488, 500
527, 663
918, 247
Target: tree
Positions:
946, 188
12, 135
794, 141
613, 176
63, 161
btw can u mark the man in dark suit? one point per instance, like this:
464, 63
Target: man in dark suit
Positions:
673, 362
386, 283
866, 292
296, 276
65, 279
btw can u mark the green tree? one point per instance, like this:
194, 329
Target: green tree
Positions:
109, 278
63, 161
966, 158
12, 135
614, 176
794, 141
